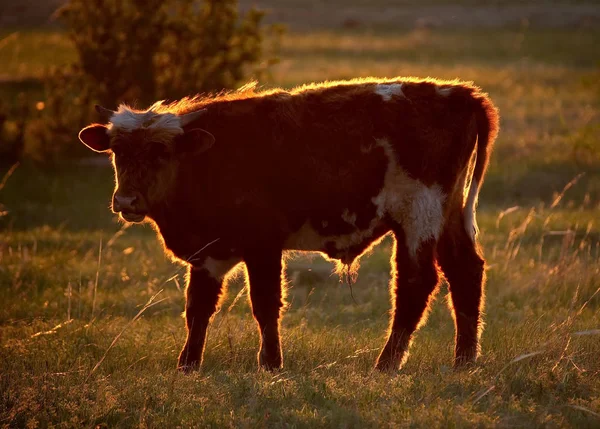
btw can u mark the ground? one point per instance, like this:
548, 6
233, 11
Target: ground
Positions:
90, 320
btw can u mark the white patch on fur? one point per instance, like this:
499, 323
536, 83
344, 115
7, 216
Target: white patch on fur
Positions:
426, 216
388, 90
469, 211
127, 120
217, 268
349, 217
443, 91
418, 208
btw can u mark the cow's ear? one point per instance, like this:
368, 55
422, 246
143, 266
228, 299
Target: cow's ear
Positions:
95, 137
194, 141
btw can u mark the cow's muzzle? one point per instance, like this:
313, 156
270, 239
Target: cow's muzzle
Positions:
130, 207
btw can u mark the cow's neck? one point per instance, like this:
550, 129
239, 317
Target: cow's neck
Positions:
173, 225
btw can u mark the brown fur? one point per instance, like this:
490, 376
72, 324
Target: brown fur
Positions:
306, 170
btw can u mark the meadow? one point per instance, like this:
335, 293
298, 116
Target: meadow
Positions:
90, 313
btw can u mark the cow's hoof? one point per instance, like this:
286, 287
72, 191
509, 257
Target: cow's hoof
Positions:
385, 365
271, 367
188, 369
464, 363
270, 363
390, 362
188, 365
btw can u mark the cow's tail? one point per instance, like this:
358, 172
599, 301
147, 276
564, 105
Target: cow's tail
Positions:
487, 119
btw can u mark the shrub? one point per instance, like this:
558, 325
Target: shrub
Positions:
138, 51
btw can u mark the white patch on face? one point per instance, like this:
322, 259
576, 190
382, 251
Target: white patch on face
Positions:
418, 208
443, 91
469, 211
388, 90
349, 217
217, 268
127, 119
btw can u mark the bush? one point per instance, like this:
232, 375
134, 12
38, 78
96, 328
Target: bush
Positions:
139, 51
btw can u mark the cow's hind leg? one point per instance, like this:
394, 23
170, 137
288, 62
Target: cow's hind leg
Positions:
266, 295
414, 278
463, 266
203, 291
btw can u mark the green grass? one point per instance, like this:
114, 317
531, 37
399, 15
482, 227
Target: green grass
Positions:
27, 54
61, 309
536, 302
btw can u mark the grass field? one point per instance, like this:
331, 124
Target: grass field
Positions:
76, 352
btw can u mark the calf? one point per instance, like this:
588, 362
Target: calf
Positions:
330, 167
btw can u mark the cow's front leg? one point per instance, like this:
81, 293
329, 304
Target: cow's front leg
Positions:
203, 291
265, 278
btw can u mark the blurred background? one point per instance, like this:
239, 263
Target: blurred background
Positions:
64, 256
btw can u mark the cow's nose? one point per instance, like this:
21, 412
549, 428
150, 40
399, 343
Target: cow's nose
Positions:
124, 203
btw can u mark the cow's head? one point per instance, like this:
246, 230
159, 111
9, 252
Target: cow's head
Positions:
147, 147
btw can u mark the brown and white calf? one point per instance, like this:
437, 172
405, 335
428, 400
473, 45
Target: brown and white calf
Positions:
328, 167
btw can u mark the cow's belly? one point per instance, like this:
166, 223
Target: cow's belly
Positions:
345, 247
